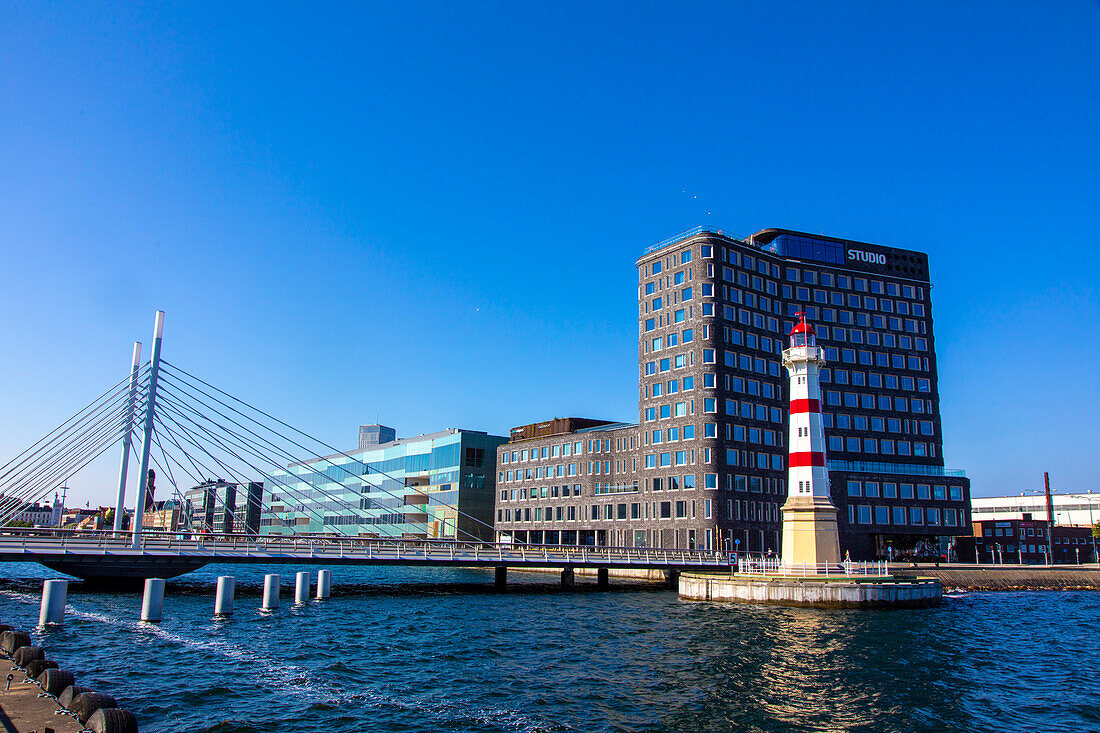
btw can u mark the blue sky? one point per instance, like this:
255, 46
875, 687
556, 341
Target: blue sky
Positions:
428, 215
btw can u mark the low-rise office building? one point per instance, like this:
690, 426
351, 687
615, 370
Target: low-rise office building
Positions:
222, 507
1078, 509
1027, 541
433, 486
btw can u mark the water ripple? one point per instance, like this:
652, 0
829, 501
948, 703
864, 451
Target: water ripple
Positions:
407, 650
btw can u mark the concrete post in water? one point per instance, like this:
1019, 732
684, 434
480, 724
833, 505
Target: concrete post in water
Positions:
567, 578
324, 584
152, 602
53, 602
271, 591
150, 404
223, 599
301, 588
500, 577
120, 505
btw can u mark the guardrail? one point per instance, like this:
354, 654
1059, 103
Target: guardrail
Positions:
30, 543
774, 566
685, 235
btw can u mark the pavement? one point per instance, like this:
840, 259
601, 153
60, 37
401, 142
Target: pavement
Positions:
22, 711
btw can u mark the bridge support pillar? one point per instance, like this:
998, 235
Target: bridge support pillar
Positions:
152, 602
500, 577
223, 599
672, 578
53, 602
601, 579
324, 584
567, 578
301, 588
271, 591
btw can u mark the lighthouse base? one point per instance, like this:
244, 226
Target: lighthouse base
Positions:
810, 535
836, 592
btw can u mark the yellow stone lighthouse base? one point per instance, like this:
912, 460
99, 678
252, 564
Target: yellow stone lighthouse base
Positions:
810, 535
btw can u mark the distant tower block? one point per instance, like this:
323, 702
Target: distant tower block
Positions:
372, 435
810, 535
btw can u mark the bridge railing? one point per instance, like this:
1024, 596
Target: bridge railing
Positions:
334, 546
774, 566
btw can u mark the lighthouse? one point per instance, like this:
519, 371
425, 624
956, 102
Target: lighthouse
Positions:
810, 537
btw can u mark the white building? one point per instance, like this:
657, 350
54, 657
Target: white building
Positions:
40, 515
1082, 510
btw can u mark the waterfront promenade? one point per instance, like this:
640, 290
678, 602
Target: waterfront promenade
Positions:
1006, 577
23, 711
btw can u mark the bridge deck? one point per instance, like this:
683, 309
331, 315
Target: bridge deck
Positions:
67, 547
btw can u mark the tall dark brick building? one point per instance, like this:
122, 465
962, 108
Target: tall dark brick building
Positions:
705, 465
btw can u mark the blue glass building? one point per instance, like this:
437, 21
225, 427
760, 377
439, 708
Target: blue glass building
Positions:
435, 486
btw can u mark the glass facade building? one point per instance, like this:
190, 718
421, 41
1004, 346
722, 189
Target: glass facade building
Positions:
434, 486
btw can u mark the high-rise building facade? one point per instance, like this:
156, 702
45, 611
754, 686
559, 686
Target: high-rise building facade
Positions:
707, 462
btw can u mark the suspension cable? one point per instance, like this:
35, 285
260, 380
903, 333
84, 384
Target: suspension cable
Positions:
336, 499
173, 368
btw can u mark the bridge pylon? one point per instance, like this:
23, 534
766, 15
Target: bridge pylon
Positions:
147, 440
127, 438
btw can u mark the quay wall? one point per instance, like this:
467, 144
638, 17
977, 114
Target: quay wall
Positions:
991, 578
637, 574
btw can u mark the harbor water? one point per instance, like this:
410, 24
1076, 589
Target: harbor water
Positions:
400, 649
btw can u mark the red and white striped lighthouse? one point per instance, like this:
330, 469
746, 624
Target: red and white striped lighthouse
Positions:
810, 537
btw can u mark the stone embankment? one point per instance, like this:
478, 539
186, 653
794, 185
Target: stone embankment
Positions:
37, 696
1006, 577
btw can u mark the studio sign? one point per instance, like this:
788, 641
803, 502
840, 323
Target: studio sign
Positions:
874, 258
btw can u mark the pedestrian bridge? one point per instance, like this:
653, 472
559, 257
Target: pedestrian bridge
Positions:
105, 554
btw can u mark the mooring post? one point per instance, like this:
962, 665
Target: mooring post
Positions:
53, 602
152, 601
324, 584
150, 411
271, 591
601, 579
567, 578
301, 588
223, 599
127, 438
